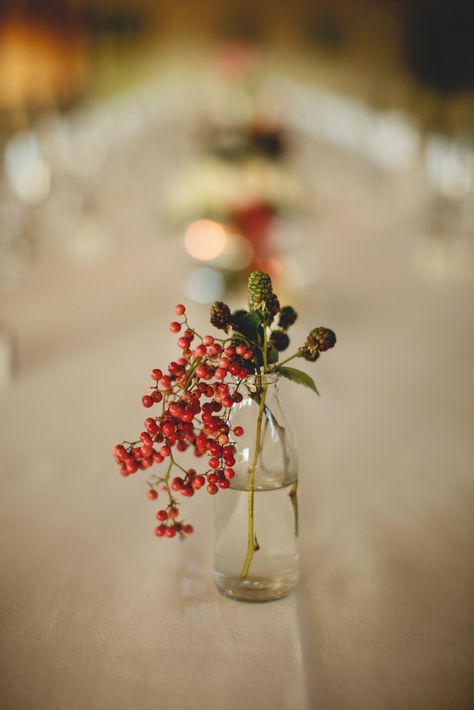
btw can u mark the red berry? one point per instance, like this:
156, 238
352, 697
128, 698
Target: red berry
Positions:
229, 473
156, 374
212, 478
151, 424
214, 462
162, 515
175, 327
200, 351
177, 483
147, 401
165, 382
238, 430
188, 529
175, 410
207, 340
234, 368
179, 309
165, 451
157, 396
187, 491
119, 451
160, 530
168, 429
173, 512
152, 494
224, 483
220, 373
229, 461
240, 349
170, 532
212, 489
183, 343
198, 482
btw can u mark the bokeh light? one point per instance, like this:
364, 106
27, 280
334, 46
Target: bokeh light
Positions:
205, 239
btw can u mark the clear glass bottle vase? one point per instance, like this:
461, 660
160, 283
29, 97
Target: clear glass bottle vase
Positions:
256, 556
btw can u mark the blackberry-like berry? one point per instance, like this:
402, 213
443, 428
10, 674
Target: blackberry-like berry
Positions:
288, 315
260, 290
220, 315
280, 340
309, 352
273, 304
324, 337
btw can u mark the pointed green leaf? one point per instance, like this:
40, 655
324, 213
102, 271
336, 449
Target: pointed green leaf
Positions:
298, 376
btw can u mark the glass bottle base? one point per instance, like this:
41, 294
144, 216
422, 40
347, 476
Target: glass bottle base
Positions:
256, 588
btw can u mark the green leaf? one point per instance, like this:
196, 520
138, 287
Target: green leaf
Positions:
247, 324
298, 376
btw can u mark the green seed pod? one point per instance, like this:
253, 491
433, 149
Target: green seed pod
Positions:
260, 289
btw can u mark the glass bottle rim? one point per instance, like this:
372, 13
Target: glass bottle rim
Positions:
268, 378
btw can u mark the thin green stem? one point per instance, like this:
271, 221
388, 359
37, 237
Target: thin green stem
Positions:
252, 544
283, 362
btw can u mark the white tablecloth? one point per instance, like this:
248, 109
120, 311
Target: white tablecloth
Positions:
97, 613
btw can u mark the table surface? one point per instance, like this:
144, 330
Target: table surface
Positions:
96, 612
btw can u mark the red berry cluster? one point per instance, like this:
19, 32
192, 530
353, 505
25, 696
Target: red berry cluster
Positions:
195, 405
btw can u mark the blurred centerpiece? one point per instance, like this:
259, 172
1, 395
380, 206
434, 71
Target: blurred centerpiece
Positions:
241, 433
240, 182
